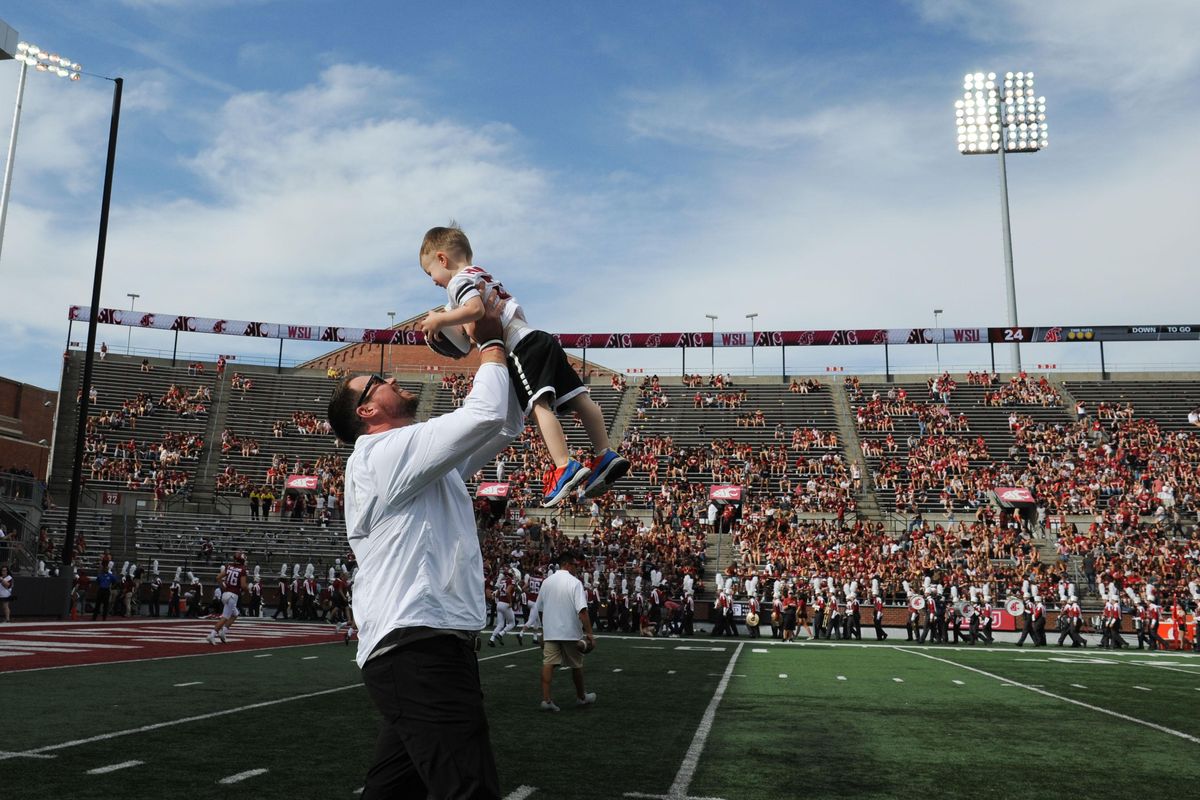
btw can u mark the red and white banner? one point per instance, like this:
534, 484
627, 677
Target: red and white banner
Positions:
725, 492
1014, 494
304, 483
578, 341
492, 489
110, 498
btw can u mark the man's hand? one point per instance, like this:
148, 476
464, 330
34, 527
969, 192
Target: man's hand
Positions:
489, 326
431, 324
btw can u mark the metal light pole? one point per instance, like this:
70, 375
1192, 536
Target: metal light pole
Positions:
751, 318
391, 354
1002, 119
29, 56
68, 551
133, 296
712, 349
937, 352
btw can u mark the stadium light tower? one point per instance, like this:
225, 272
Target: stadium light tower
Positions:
712, 348
999, 117
29, 55
751, 318
133, 296
937, 351
391, 354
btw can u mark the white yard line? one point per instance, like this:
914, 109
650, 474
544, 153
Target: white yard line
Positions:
1081, 704
207, 652
520, 793
241, 776
10, 754
1171, 667
691, 760
114, 767
155, 726
189, 683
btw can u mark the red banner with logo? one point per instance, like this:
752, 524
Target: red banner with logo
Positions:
1014, 494
727, 492
110, 498
492, 489
578, 341
303, 483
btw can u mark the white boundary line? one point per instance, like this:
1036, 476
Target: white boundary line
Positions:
38, 751
1080, 703
114, 767
210, 652
691, 760
241, 776
520, 793
12, 754
196, 718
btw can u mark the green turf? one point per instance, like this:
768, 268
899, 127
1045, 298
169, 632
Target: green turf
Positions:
809, 734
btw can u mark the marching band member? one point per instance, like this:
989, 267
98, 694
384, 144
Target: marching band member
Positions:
1039, 623
818, 604
972, 623
853, 624
1074, 624
834, 620
880, 634
1153, 616
986, 621
752, 618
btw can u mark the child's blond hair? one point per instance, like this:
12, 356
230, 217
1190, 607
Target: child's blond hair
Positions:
450, 240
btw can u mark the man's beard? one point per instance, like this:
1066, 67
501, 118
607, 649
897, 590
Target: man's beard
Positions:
408, 406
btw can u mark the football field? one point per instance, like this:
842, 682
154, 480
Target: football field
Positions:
703, 718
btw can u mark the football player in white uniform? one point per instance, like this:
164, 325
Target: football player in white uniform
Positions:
232, 580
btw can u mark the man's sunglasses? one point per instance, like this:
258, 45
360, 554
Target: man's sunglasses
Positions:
374, 379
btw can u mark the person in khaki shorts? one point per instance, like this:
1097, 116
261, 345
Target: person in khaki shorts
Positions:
562, 605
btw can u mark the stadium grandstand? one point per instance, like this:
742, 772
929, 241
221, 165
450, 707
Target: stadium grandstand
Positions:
736, 482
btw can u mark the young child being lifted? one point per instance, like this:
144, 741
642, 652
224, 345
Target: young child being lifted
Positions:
542, 376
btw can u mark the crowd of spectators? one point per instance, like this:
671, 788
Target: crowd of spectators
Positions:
772, 543
1021, 390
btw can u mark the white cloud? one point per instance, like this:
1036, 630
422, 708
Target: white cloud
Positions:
319, 198
1144, 48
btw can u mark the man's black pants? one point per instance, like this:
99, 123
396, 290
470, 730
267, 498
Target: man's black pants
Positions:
434, 739
102, 597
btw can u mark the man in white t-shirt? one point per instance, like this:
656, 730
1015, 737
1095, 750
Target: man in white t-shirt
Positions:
562, 605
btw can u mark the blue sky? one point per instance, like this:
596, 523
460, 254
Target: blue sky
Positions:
621, 166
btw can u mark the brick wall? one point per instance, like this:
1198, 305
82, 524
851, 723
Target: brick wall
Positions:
29, 418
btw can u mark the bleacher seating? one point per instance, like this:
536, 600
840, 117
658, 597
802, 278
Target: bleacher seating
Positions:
770, 438
782, 444
271, 405
941, 456
146, 428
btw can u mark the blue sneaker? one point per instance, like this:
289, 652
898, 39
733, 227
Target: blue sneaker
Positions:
561, 481
607, 469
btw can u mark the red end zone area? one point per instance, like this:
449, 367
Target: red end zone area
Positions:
38, 645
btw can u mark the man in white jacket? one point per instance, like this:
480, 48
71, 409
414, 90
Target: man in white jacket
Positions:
418, 594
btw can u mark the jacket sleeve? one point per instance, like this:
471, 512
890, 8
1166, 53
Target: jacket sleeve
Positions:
414, 456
